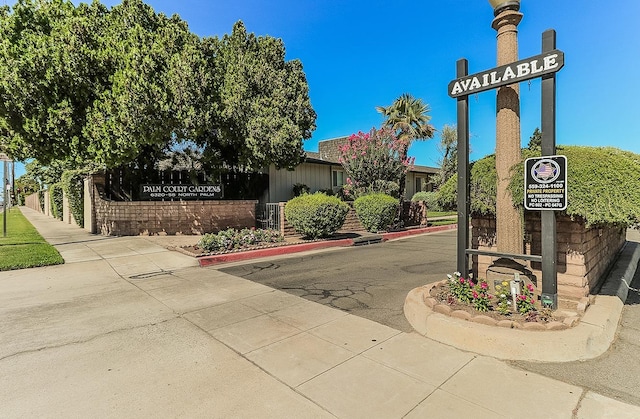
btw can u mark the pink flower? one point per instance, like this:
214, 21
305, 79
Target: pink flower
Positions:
475, 295
532, 300
522, 297
461, 280
530, 287
484, 285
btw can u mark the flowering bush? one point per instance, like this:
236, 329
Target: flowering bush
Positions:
525, 301
373, 162
481, 297
461, 289
503, 294
236, 239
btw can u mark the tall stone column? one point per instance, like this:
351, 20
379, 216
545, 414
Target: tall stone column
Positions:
509, 230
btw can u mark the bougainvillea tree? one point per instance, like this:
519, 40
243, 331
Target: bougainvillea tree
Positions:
373, 162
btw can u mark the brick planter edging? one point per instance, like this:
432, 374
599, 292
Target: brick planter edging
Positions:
444, 308
589, 339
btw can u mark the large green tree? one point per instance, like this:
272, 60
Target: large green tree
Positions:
408, 116
137, 115
264, 112
127, 85
49, 75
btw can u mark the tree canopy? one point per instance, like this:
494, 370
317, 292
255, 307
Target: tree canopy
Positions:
408, 117
126, 84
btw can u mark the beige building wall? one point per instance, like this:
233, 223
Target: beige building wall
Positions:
315, 176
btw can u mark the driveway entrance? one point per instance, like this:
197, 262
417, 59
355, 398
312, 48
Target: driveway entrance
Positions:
368, 281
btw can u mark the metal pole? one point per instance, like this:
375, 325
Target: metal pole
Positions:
462, 69
548, 218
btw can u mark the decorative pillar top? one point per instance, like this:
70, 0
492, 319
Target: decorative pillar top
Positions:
505, 19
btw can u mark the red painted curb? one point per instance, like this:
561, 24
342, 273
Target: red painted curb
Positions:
413, 232
303, 247
272, 251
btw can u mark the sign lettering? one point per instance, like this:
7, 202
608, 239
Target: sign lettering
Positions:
545, 183
154, 192
516, 72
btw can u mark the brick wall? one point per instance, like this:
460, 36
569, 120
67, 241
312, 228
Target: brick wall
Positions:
584, 254
167, 217
177, 217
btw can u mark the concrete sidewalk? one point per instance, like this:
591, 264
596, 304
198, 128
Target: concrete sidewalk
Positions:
127, 328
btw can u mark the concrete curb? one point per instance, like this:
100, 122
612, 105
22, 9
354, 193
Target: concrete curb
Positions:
623, 271
204, 261
400, 234
590, 338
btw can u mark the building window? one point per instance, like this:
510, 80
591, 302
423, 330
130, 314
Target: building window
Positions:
337, 178
419, 183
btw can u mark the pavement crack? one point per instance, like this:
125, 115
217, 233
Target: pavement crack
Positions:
82, 341
574, 412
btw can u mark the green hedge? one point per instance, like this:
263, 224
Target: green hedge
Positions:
429, 198
73, 185
316, 215
602, 185
376, 211
56, 200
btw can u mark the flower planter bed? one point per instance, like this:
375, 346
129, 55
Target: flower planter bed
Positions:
440, 300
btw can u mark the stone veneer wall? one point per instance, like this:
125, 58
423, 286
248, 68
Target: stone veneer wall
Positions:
584, 253
169, 217
177, 217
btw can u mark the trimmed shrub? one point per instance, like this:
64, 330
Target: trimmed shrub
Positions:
237, 239
376, 211
316, 215
429, 198
55, 197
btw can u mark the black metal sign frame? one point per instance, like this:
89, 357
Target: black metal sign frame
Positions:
523, 70
549, 247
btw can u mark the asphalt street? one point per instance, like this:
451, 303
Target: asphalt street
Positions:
372, 282
369, 281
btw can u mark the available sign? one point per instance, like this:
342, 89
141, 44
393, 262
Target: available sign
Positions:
152, 192
522, 70
545, 183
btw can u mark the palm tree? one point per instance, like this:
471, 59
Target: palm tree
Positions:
408, 117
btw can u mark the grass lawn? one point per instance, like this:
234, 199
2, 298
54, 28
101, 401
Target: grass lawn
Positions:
440, 213
24, 247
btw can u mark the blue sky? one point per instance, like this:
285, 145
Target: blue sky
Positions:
361, 54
